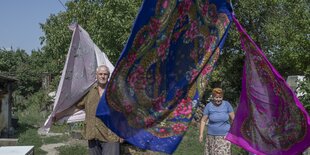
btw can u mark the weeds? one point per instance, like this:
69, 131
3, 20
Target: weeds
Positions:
73, 150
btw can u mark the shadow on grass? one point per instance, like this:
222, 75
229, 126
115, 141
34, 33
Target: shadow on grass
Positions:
22, 128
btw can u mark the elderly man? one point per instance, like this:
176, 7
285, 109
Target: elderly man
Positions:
101, 140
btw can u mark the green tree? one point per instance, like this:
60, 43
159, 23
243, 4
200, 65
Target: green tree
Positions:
107, 22
280, 28
29, 74
11, 59
27, 69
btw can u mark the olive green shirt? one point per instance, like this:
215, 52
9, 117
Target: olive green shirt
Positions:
94, 128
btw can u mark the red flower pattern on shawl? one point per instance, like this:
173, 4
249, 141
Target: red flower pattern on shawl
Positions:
157, 104
161, 51
179, 128
184, 108
193, 31
184, 7
154, 26
136, 79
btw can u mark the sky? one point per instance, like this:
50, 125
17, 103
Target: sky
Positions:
19, 22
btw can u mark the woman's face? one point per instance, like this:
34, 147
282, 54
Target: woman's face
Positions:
217, 99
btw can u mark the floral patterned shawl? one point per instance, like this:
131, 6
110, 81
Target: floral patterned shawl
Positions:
163, 71
270, 119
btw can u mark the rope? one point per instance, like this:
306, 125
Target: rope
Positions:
62, 4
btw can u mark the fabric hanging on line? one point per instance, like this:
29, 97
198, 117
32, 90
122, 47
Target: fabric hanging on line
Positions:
78, 75
269, 119
163, 71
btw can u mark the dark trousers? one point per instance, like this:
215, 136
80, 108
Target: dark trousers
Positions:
97, 147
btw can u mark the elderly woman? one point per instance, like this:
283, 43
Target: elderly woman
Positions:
217, 113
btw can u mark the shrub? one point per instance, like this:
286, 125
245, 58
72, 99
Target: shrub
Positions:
34, 113
31, 137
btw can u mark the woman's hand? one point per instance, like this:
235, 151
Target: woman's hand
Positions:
202, 127
200, 138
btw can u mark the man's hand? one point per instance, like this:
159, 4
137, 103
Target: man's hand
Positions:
55, 118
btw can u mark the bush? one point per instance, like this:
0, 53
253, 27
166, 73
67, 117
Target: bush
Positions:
32, 116
34, 113
31, 137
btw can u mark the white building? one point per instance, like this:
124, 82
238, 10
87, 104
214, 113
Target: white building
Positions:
294, 82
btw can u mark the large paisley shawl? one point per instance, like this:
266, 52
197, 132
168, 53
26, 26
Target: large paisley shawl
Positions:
163, 71
269, 119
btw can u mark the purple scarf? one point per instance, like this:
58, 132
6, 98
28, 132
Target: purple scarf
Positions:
270, 119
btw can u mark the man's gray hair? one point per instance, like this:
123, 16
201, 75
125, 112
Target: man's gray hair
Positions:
103, 66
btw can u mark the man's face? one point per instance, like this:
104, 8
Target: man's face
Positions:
102, 75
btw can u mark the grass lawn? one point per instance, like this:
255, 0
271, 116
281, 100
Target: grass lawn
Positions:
73, 150
29, 136
190, 144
